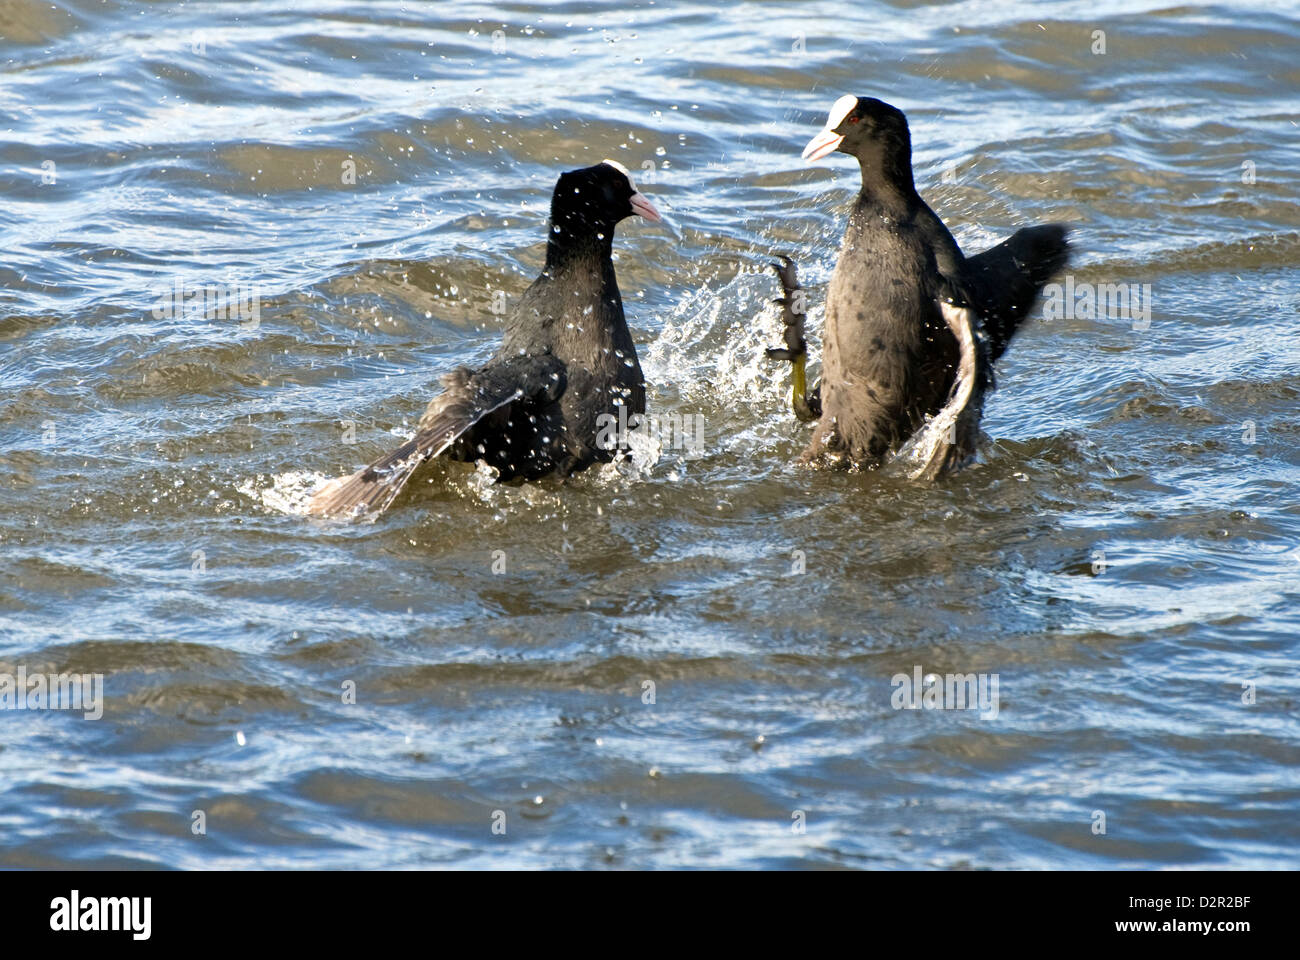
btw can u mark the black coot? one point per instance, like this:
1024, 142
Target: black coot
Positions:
566, 358
913, 326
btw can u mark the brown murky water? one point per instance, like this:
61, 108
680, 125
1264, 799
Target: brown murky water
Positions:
1125, 558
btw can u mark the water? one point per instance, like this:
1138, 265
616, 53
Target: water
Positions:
1123, 558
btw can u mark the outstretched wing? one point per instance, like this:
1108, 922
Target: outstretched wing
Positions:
949, 438
468, 397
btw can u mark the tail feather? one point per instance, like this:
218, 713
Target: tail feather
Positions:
1004, 282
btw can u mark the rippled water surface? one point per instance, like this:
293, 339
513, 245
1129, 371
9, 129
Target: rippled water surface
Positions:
1125, 557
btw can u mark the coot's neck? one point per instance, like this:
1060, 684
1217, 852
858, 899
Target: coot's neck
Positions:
887, 178
577, 243
889, 199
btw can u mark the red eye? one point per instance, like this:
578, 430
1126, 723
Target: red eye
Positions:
853, 119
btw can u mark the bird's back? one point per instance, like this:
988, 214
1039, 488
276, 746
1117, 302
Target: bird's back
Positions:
574, 314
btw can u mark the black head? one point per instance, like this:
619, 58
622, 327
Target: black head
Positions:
871, 130
587, 204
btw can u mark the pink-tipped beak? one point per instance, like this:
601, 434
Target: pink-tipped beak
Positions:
822, 144
644, 208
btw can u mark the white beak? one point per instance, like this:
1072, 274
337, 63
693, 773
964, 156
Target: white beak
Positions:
824, 143
642, 207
